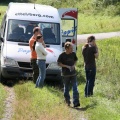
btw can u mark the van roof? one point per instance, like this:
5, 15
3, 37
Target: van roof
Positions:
33, 12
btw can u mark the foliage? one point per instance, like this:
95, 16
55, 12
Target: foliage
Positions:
84, 6
97, 23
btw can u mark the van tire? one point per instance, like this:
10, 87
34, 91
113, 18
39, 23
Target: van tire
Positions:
2, 79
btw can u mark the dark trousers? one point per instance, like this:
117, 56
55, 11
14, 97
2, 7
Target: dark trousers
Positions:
35, 69
90, 81
67, 81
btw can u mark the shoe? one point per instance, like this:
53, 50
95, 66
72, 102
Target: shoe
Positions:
88, 95
68, 102
76, 104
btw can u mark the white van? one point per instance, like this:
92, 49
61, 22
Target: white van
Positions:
57, 27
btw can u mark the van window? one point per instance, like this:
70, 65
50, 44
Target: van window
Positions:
68, 27
22, 31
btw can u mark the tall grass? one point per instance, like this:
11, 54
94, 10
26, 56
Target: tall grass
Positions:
2, 99
48, 103
94, 24
105, 104
2, 11
38, 104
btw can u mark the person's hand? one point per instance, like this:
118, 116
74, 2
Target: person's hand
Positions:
72, 67
43, 43
69, 67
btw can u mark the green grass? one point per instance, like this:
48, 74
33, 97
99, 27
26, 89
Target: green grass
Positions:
46, 103
2, 11
2, 99
97, 24
105, 104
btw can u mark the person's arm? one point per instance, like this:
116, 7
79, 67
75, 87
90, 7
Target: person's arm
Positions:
43, 43
42, 49
31, 42
60, 63
97, 53
75, 60
63, 65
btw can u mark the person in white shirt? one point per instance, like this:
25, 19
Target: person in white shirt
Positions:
39, 47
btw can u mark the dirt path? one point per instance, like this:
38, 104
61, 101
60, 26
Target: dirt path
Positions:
99, 36
9, 103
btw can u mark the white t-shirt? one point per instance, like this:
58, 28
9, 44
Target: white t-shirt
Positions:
40, 50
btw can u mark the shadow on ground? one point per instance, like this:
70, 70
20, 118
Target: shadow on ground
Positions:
92, 105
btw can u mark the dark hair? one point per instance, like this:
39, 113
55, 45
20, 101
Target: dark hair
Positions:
67, 45
36, 29
34, 45
89, 39
38, 37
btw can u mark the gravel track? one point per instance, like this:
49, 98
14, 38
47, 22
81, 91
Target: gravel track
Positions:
9, 103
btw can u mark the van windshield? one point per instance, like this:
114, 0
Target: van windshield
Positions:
22, 31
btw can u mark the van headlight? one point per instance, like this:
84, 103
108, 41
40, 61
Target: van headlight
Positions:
9, 62
53, 65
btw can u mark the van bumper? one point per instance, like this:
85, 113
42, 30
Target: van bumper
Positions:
12, 72
53, 74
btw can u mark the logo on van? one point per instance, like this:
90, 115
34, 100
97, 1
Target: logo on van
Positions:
67, 32
71, 13
31, 14
23, 51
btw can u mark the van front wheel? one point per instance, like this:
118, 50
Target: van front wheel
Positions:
2, 79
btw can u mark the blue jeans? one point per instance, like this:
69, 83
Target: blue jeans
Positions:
42, 73
90, 80
73, 81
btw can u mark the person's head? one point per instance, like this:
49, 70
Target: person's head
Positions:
36, 31
68, 47
91, 40
39, 38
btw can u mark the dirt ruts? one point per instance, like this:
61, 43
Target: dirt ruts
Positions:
9, 103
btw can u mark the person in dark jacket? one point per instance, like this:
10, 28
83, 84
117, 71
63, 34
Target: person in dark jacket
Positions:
90, 52
67, 60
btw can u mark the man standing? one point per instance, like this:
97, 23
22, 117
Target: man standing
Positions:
36, 31
90, 52
67, 60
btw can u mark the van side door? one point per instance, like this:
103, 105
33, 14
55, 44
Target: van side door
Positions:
69, 19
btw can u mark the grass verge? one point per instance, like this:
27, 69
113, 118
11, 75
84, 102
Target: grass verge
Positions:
37, 104
48, 103
2, 99
104, 105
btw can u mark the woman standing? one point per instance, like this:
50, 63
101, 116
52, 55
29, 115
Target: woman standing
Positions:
90, 52
41, 59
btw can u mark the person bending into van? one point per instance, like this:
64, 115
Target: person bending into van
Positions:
67, 60
90, 52
34, 65
41, 59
